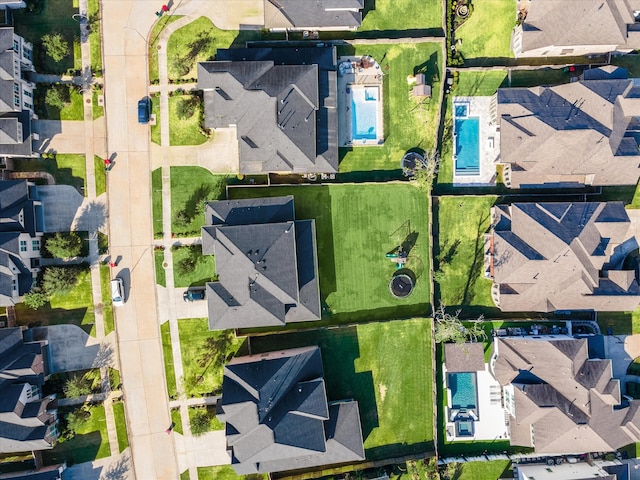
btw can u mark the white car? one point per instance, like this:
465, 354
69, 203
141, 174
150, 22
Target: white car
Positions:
117, 292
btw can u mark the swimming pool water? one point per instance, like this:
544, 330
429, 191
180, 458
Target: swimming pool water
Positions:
461, 111
463, 390
467, 147
364, 114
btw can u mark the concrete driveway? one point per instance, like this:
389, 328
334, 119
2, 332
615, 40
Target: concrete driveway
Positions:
117, 467
622, 349
73, 349
66, 210
60, 136
197, 309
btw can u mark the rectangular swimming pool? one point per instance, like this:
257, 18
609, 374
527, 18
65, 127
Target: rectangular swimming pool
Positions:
463, 390
364, 113
466, 146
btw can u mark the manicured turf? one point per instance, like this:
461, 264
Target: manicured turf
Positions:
107, 307
190, 188
205, 270
94, 38
184, 131
55, 17
98, 111
155, 129
167, 354
356, 225
176, 418
91, 442
203, 357
121, 426
482, 470
487, 32
153, 38
480, 83
462, 221
158, 258
72, 111
156, 199
67, 168
386, 367
76, 307
394, 15
225, 472
101, 175
621, 323
193, 43
407, 123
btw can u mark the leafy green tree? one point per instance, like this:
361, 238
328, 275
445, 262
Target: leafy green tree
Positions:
64, 245
187, 106
200, 422
186, 265
55, 46
57, 96
35, 299
59, 280
76, 386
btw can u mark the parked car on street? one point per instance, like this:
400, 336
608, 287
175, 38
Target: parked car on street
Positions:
144, 110
117, 292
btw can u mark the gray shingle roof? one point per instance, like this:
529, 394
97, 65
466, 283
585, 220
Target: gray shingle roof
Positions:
277, 417
283, 103
556, 256
577, 133
466, 357
313, 14
267, 271
566, 400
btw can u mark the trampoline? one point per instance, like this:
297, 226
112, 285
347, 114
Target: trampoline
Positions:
410, 162
401, 285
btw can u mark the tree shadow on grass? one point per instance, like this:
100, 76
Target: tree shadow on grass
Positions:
81, 448
341, 379
395, 450
475, 269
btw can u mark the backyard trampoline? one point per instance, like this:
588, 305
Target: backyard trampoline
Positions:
410, 162
401, 285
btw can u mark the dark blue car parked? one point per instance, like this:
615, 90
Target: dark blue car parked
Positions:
144, 110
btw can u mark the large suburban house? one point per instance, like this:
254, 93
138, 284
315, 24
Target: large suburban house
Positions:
278, 418
295, 15
576, 134
544, 257
21, 234
265, 262
282, 103
559, 400
28, 421
588, 470
554, 28
16, 96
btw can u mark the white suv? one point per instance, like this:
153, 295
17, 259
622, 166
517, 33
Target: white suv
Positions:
117, 292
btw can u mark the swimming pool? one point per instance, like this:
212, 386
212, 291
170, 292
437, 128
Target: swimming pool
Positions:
466, 146
364, 113
461, 110
463, 390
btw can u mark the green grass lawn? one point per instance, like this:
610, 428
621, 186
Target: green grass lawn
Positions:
407, 123
107, 307
386, 367
75, 308
193, 43
161, 276
176, 418
156, 135
98, 111
462, 221
156, 201
101, 175
75, 109
356, 225
72, 110
154, 37
67, 168
214, 423
482, 470
487, 32
121, 426
167, 354
94, 38
54, 17
225, 472
205, 270
184, 131
91, 442
190, 188
621, 323
393, 15
203, 354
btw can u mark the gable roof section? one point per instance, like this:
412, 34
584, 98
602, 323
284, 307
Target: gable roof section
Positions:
267, 270
554, 256
282, 102
465, 357
310, 14
277, 416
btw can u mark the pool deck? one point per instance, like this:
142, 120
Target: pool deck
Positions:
491, 424
485, 108
357, 76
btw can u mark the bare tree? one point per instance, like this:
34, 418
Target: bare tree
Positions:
449, 328
425, 176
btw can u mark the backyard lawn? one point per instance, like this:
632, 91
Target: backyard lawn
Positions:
479, 470
408, 123
91, 442
167, 354
67, 168
75, 308
191, 187
462, 221
386, 367
203, 355
394, 15
156, 201
225, 472
107, 307
51, 16
487, 32
121, 426
356, 226
185, 129
203, 272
